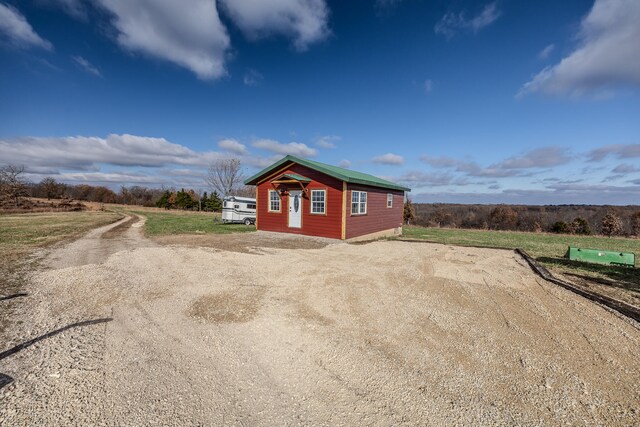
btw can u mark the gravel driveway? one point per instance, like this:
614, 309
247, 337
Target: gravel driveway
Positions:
386, 333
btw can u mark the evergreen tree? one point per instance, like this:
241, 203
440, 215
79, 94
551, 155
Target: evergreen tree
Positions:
214, 203
163, 201
184, 200
409, 213
203, 202
559, 227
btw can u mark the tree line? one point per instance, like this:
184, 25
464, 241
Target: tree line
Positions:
224, 177
567, 219
13, 187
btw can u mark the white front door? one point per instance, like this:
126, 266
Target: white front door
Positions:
295, 209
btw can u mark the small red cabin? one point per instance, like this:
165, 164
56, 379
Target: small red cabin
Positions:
302, 196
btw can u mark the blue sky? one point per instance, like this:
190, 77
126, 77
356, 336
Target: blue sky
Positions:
463, 101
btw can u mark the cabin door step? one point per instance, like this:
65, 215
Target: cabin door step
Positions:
295, 209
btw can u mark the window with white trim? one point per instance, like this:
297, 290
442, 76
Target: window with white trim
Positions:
389, 200
274, 201
318, 201
358, 202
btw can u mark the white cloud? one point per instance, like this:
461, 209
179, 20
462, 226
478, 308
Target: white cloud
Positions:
84, 153
428, 85
75, 8
424, 179
470, 168
452, 23
608, 54
86, 66
328, 141
303, 20
537, 158
187, 32
625, 168
389, 159
487, 17
252, 78
544, 53
261, 162
232, 146
110, 178
345, 164
18, 31
192, 173
386, 3
620, 151
534, 159
588, 194
293, 148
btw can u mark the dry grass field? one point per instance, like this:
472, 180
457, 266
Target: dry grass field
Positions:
23, 234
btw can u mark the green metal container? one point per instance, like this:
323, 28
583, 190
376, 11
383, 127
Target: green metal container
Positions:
602, 257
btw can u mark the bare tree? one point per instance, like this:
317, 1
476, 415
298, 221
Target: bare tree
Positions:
503, 218
225, 176
246, 191
51, 188
12, 184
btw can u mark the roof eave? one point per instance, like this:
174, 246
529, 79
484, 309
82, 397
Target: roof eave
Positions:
289, 158
370, 184
254, 179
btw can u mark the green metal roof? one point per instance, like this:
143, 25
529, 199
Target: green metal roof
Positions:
295, 177
342, 174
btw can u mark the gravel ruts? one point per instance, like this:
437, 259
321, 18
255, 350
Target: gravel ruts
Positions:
387, 333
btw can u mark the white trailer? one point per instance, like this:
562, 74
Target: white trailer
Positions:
240, 210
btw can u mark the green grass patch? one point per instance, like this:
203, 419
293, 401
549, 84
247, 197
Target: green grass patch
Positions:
549, 249
180, 222
536, 244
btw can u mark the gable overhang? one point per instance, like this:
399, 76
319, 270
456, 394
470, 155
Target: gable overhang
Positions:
287, 179
334, 172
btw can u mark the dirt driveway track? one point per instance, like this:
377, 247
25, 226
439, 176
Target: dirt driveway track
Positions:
387, 333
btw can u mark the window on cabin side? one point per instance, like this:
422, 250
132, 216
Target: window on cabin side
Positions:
389, 200
274, 201
358, 202
318, 201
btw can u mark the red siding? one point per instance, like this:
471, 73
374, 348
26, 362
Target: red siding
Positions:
378, 217
328, 225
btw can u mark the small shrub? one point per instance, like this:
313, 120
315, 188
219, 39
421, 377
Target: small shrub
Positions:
580, 226
559, 227
611, 225
635, 224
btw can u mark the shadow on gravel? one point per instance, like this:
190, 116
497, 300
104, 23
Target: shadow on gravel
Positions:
5, 380
29, 343
21, 294
627, 278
